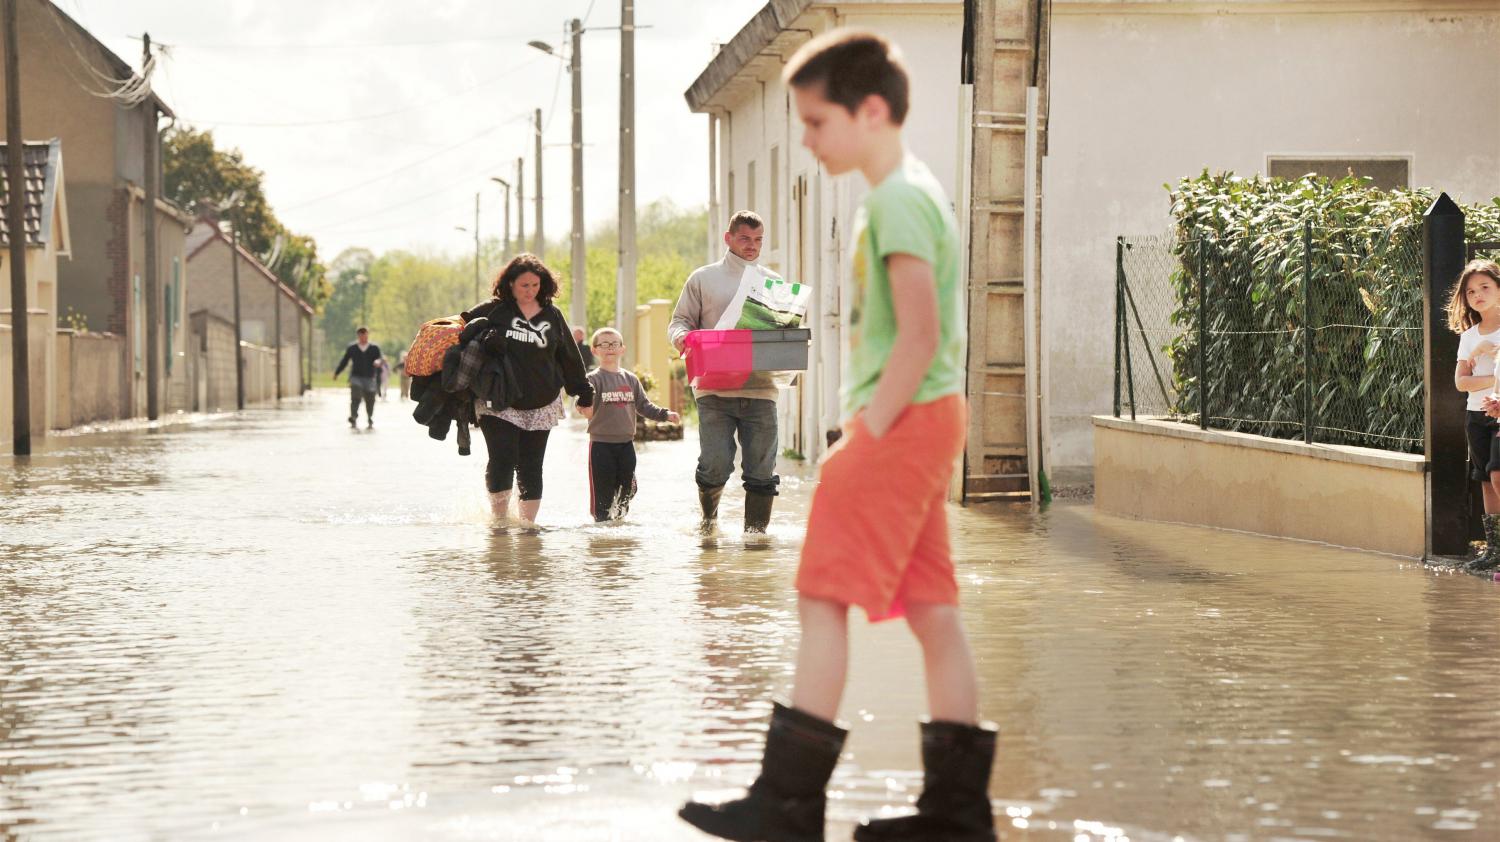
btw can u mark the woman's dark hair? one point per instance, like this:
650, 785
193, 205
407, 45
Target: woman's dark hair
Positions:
504, 287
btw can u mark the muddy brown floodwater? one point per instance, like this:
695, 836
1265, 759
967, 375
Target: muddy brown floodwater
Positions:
267, 626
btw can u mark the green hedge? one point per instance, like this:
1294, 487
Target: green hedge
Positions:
1366, 286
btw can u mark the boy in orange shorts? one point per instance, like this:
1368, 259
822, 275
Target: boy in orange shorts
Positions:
905, 416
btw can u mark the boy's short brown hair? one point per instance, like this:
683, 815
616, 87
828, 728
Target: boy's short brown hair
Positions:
850, 65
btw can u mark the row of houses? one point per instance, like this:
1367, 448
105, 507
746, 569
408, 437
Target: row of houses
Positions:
1129, 95
85, 231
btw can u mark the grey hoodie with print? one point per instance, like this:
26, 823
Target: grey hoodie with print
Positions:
618, 398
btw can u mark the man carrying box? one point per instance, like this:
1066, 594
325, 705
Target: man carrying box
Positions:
750, 413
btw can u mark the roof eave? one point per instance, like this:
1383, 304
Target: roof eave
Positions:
761, 30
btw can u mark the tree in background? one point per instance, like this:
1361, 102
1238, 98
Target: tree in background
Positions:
197, 175
669, 245
406, 288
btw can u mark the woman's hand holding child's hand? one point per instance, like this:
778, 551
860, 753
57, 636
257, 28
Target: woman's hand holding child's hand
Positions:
674, 418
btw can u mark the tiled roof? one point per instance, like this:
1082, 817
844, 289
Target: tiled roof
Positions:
39, 174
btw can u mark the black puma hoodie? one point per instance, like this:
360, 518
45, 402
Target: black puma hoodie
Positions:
541, 351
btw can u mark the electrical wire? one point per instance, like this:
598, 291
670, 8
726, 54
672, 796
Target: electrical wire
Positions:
420, 161
131, 91
364, 45
468, 178
367, 117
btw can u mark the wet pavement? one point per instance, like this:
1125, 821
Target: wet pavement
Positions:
269, 626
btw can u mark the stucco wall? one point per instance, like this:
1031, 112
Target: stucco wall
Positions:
1350, 496
1141, 99
39, 357
88, 378
212, 363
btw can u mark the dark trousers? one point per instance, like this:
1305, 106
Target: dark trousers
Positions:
361, 389
515, 457
611, 478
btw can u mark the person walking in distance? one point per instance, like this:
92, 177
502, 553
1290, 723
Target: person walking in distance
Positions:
364, 361
581, 337
749, 414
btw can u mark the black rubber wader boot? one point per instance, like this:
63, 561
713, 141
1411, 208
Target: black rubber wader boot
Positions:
955, 801
1490, 558
785, 804
708, 498
758, 511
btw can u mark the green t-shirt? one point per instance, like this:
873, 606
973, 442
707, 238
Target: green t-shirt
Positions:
906, 213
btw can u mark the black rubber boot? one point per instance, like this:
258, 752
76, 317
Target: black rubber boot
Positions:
1490, 558
758, 511
955, 801
785, 804
708, 498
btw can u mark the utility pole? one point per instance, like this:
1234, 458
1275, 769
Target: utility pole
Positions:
625, 293
541, 240
578, 309
234, 274
505, 246
148, 228
476, 246
520, 204
20, 383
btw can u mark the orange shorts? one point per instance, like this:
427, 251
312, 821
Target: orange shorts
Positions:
877, 536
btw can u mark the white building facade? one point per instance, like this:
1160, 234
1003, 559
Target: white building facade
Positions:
757, 162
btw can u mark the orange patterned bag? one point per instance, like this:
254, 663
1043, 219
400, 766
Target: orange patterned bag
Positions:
432, 342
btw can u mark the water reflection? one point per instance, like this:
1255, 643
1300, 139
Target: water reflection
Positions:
264, 626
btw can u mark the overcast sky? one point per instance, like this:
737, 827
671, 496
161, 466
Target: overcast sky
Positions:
376, 121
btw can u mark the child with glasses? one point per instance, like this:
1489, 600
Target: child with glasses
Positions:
618, 399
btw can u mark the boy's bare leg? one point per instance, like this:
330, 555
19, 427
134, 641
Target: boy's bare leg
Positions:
822, 657
952, 686
529, 508
499, 503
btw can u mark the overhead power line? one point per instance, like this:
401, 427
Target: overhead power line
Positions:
412, 165
361, 45
363, 118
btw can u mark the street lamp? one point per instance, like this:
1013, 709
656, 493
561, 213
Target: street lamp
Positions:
505, 184
363, 281
476, 244
578, 306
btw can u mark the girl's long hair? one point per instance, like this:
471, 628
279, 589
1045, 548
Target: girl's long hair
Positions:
1461, 316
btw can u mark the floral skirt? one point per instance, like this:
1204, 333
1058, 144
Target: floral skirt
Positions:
543, 418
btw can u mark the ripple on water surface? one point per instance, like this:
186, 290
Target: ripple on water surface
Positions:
270, 626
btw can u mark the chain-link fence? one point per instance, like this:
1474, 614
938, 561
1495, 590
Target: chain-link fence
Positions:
1312, 334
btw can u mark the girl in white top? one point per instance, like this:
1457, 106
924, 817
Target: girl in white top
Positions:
1474, 314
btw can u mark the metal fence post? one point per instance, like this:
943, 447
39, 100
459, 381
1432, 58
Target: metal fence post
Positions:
1203, 334
1307, 335
1445, 446
1119, 313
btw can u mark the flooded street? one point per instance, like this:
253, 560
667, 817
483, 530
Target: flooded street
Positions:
270, 626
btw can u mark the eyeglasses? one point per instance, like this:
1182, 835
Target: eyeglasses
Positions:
609, 345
